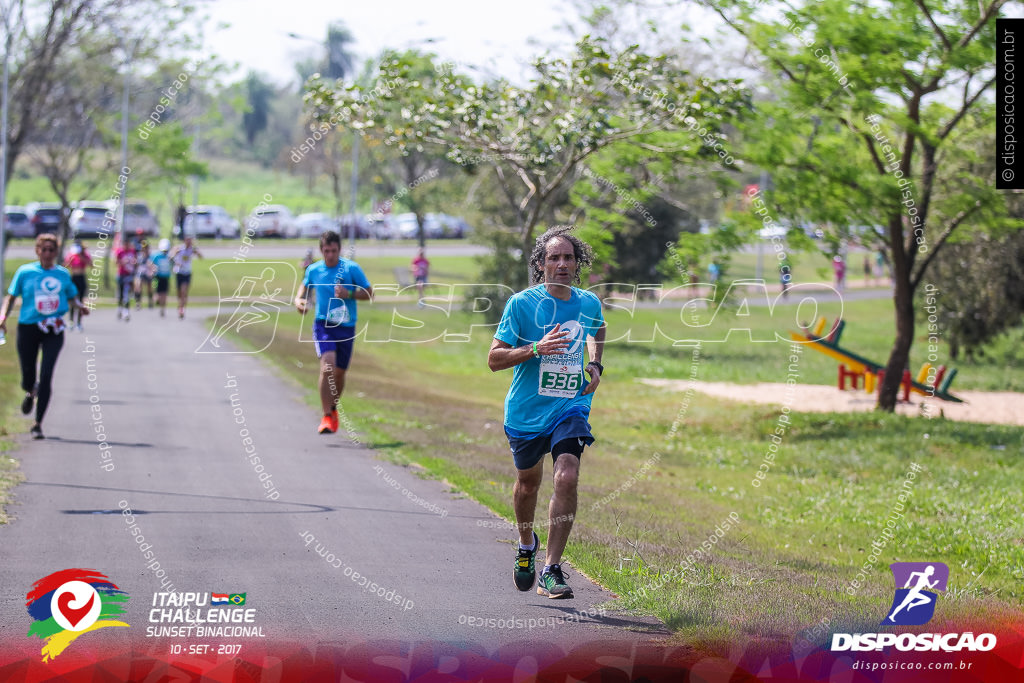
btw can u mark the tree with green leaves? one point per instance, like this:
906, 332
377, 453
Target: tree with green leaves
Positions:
537, 139
979, 277
259, 94
46, 33
337, 63
858, 129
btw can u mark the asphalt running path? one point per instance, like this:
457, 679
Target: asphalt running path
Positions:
179, 463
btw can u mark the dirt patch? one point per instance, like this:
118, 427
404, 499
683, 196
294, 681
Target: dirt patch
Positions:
990, 407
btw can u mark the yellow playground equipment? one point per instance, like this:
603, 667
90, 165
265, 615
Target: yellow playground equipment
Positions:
854, 367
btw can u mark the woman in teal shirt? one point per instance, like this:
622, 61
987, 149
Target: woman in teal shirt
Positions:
47, 293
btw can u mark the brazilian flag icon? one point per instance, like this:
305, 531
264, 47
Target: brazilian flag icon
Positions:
237, 598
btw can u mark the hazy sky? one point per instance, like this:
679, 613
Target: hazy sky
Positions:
494, 35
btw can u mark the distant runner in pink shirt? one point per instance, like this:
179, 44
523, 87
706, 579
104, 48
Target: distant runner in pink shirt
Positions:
420, 268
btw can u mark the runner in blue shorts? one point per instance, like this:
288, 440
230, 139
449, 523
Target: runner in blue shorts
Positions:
542, 335
336, 285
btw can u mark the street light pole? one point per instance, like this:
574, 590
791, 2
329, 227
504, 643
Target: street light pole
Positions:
124, 136
355, 193
3, 148
120, 231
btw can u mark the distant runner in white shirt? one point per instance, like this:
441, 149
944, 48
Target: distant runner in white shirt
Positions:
182, 257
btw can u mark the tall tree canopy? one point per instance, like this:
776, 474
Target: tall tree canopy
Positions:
858, 127
534, 139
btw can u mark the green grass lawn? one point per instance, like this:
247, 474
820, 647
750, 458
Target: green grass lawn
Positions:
11, 420
667, 470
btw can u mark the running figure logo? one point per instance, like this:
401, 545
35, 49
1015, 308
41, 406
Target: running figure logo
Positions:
914, 604
256, 302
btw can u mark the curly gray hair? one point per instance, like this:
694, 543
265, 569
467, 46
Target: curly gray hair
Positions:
584, 254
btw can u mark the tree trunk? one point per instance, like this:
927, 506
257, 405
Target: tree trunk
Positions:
529, 240
903, 298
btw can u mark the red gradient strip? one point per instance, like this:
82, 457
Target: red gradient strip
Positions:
394, 661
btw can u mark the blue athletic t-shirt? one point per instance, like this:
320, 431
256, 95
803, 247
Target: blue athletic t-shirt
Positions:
44, 293
162, 262
544, 390
322, 280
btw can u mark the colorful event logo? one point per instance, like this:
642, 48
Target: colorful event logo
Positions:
69, 603
913, 605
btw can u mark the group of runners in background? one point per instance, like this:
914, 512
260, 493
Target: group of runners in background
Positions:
137, 268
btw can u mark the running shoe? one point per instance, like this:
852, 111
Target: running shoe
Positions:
334, 420
36, 432
325, 425
526, 573
26, 404
552, 583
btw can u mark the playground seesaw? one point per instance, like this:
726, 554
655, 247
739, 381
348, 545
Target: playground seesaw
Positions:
930, 382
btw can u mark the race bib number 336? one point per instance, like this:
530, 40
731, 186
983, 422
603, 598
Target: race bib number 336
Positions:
559, 380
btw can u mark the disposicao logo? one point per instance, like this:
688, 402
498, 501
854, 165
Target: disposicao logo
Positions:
70, 603
913, 605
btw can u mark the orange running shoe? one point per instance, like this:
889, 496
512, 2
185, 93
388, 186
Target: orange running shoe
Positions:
334, 419
326, 425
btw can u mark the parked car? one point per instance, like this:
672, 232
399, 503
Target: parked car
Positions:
45, 217
349, 221
89, 219
408, 226
17, 222
449, 226
139, 220
274, 220
209, 221
314, 224
381, 227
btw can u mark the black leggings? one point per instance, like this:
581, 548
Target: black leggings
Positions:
30, 340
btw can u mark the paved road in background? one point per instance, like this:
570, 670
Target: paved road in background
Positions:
174, 422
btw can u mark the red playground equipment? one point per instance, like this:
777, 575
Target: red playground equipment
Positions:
930, 381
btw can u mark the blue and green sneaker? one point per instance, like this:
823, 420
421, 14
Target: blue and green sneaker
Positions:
525, 573
552, 583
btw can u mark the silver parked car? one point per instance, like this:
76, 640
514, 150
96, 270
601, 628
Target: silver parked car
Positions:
314, 224
90, 219
17, 223
139, 220
272, 220
209, 221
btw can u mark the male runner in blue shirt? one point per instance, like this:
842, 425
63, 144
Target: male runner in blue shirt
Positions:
336, 284
542, 333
